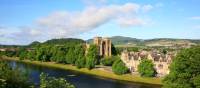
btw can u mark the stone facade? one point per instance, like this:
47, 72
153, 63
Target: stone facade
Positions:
161, 61
104, 45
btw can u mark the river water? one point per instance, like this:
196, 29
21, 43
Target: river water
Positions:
78, 79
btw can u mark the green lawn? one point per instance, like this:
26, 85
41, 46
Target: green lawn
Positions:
97, 72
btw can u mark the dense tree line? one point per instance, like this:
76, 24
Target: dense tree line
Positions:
68, 51
184, 70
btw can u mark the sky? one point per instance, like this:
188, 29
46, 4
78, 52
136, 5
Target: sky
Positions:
25, 21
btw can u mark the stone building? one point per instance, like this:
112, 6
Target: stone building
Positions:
161, 61
104, 46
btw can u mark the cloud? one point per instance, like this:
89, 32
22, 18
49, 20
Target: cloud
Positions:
195, 18
62, 24
65, 24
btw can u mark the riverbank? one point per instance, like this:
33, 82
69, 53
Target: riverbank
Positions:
96, 72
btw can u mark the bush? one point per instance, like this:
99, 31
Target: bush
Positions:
51, 82
108, 61
119, 67
146, 68
184, 70
13, 77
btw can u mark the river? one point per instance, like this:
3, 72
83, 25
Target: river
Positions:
80, 80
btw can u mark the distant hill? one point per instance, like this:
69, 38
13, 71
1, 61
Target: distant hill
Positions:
120, 40
116, 40
62, 41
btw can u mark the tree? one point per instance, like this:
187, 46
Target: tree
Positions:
114, 51
108, 61
51, 82
146, 68
80, 63
119, 67
70, 57
92, 56
184, 70
13, 77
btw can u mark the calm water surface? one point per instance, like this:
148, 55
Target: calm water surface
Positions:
80, 80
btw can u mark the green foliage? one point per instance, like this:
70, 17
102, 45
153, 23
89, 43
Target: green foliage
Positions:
80, 56
108, 61
80, 63
92, 56
71, 56
119, 67
113, 49
164, 51
120, 49
13, 78
184, 70
2, 83
146, 68
51, 82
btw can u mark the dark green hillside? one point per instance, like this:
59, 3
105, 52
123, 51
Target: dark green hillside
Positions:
64, 41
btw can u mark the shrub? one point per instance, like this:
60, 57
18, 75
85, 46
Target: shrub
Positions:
108, 61
51, 82
146, 68
119, 67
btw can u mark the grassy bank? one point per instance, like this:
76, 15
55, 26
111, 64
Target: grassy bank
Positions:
97, 72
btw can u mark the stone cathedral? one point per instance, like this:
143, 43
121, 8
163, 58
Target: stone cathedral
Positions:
104, 45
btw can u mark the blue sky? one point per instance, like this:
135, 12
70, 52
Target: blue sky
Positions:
24, 21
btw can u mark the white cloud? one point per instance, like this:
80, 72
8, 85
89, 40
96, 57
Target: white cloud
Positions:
71, 23
64, 23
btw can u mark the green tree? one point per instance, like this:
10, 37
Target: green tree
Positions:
119, 67
71, 56
114, 51
51, 82
13, 77
184, 70
80, 56
80, 63
108, 61
92, 56
146, 68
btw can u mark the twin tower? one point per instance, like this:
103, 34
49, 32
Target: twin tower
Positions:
104, 45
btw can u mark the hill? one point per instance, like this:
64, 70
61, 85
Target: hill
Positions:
120, 41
